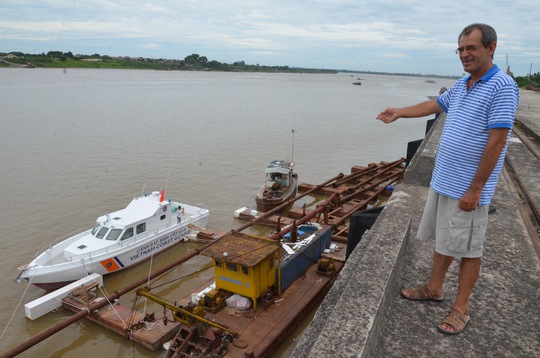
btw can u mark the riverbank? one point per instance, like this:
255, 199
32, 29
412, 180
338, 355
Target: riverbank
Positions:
364, 315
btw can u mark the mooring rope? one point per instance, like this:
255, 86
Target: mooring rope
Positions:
148, 282
86, 267
16, 308
106, 294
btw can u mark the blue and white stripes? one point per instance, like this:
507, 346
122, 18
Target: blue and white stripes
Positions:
490, 103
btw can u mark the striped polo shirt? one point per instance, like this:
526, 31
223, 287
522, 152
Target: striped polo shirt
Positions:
490, 103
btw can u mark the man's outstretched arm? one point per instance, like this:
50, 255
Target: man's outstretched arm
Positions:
422, 109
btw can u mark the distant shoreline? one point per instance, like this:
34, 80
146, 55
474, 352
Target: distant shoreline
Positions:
194, 62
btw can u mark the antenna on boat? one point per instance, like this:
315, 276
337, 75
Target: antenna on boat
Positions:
292, 157
168, 176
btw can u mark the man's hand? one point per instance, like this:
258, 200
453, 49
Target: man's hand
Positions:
470, 200
389, 115
422, 109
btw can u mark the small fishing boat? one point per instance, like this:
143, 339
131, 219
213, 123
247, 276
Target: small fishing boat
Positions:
280, 185
148, 225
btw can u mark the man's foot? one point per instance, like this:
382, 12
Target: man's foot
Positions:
421, 294
454, 323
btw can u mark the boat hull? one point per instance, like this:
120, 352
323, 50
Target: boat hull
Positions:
54, 276
266, 204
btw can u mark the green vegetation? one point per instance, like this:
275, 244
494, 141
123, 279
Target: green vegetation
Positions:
194, 62
530, 82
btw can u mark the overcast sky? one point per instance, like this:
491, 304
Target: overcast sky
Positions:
409, 36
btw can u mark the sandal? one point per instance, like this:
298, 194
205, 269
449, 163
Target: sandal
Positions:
421, 294
455, 319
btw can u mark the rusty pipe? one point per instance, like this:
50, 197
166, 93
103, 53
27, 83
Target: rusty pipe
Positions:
368, 170
320, 208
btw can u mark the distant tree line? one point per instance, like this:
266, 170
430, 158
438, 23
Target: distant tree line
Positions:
193, 62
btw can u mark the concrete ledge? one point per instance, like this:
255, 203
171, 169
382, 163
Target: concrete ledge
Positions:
355, 305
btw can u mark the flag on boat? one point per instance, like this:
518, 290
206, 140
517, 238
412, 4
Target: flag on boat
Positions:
162, 197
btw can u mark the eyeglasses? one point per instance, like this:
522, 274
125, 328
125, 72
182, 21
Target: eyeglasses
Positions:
469, 48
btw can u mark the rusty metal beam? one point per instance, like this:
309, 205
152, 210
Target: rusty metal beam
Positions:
320, 208
288, 202
323, 208
369, 170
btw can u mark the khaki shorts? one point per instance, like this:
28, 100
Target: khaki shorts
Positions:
457, 233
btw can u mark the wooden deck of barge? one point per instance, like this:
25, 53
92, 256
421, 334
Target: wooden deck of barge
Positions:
259, 332
118, 317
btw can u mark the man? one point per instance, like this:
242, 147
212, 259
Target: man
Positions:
480, 113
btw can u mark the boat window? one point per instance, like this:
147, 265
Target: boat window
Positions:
231, 266
114, 234
163, 217
245, 270
95, 229
218, 263
128, 233
141, 228
102, 232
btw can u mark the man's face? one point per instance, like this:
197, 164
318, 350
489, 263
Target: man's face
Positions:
476, 58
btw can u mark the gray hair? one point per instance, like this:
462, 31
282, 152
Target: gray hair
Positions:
488, 33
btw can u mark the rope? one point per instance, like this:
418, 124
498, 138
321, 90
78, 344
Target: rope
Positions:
148, 282
148, 326
86, 267
104, 292
122, 349
16, 308
182, 277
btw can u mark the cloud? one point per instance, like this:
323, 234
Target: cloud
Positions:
360, 34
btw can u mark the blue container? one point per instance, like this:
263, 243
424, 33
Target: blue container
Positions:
297, 265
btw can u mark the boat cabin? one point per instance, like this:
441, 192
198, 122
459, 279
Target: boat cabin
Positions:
143, 216
278, 174
245, 264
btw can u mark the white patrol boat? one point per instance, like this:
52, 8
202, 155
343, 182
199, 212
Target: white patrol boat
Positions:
148, 225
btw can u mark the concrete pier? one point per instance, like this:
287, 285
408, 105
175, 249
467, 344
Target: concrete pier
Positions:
364, 315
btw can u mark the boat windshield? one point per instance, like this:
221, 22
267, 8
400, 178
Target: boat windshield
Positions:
101, 233
114, 234
95, 229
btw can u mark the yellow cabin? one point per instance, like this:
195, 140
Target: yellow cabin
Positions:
244, 264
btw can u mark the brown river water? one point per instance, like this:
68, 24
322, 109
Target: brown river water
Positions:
79, 143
